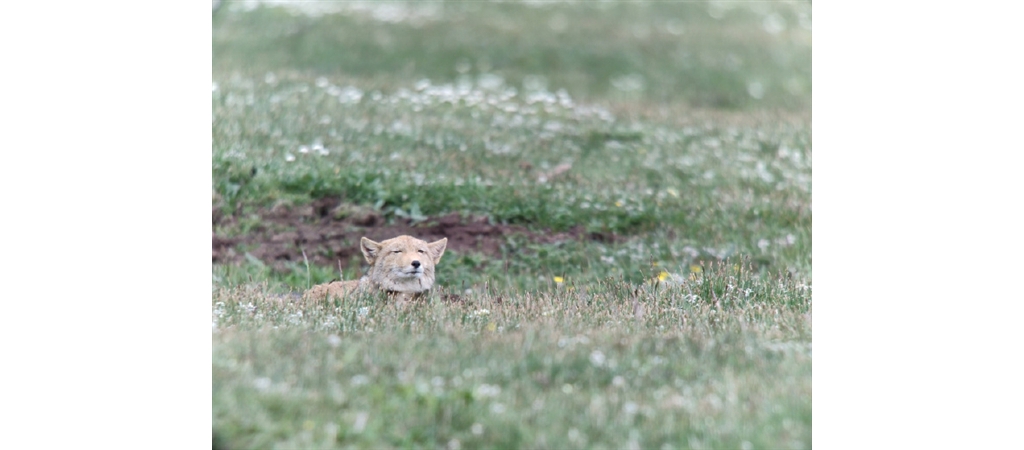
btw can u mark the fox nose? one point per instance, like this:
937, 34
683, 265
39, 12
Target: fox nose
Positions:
415, 264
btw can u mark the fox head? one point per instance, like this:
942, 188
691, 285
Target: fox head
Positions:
402, 264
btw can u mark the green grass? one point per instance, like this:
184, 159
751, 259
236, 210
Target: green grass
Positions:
722, 360
531, 266
410, 153
661, 52
692, 330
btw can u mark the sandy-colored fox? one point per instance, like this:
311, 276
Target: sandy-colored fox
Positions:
402, 267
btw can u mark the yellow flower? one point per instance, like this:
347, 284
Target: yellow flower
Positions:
558, 279
662, 276
618, 203
695, 268
491, 326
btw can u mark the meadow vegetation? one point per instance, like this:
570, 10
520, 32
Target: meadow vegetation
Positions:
678, 131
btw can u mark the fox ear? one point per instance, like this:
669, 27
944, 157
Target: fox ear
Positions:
437, 249
370, 249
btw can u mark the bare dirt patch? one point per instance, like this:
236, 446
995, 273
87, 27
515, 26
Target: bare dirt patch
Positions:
329, 232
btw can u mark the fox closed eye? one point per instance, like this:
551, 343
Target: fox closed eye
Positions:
391, 274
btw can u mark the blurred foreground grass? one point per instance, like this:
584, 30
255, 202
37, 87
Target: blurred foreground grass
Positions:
721, 360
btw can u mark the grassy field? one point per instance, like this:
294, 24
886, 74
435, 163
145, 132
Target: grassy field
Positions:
669, 142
